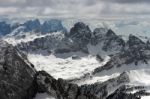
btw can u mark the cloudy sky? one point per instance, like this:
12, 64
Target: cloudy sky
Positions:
76, 8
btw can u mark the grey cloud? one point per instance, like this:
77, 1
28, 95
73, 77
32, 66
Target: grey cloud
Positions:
75, 8
127, 1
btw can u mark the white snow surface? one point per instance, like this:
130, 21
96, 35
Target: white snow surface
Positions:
145, 97
95, 79
29, 36
63, 66
43, 96
140, 77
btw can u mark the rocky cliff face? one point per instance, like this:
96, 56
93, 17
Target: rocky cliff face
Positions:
135, 51
54, 43
77, 39
61, 89
109, 41
80, 35
16, 73
121, 93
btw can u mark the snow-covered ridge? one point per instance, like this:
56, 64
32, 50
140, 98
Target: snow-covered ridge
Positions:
27, 37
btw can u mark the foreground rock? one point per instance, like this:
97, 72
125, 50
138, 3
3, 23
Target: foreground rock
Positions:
121, 94
61, 89
16, 74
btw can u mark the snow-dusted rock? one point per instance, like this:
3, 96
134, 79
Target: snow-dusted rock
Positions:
108, 40
54, 43
61, 89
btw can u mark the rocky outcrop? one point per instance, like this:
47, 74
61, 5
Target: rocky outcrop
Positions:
62, 89
135, 51
54, 43
98, 35
129, 92
80, 34
107, 39
77, 39
16, 74
120, 94
113, 42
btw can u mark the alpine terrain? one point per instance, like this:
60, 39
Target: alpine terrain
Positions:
46, 60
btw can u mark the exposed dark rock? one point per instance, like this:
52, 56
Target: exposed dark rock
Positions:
61, 51
135, 51
75, 57
78, 39
56, 43
135, 43
98, 35
126, 92
81, 35
108, 40
99, 58
16, 74
113, 42
118, 94
61, 89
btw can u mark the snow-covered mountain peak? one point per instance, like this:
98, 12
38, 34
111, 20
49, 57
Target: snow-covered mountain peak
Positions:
100, 58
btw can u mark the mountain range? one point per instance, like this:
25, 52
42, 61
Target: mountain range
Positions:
77, 64
48, 26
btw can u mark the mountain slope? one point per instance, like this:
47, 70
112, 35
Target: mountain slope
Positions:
16, 73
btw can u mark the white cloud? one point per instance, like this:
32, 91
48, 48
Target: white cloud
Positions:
8, 10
